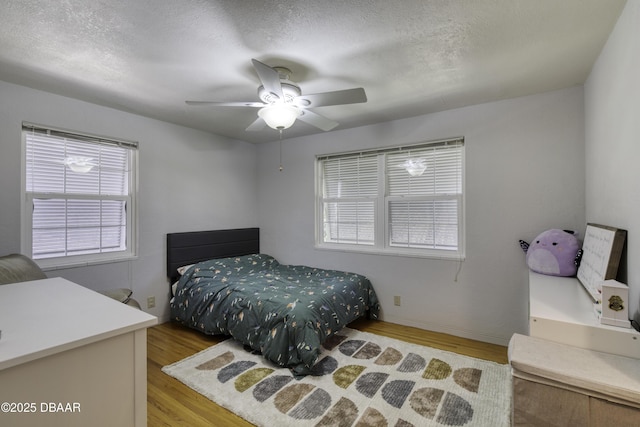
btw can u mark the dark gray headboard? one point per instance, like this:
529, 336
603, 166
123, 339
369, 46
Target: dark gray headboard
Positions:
195, 246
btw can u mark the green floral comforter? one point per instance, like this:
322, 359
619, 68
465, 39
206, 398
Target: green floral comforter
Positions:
284, 311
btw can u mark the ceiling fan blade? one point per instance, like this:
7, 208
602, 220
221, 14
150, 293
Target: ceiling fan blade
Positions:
338, 97
257, 125
226, 104
317, 120
269, 77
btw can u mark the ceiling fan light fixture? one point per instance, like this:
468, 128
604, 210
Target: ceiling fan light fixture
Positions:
283, 103
279, 116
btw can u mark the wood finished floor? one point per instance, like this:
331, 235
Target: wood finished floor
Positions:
171, 403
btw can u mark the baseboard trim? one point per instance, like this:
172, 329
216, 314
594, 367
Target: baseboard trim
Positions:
447, 329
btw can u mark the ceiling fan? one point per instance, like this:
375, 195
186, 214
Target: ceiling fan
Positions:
282, 101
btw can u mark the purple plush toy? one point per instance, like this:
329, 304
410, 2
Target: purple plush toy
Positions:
554, 252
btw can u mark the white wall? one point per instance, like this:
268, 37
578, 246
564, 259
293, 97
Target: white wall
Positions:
524, 174
612, 137
189, 180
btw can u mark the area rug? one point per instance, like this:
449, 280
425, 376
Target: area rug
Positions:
360, 379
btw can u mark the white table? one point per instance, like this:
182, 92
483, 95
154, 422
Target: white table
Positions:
561, 310
71, 357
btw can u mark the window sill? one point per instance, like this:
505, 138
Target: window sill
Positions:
429, 254
61, 264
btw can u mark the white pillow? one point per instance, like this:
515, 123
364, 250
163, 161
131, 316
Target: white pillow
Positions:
184, 268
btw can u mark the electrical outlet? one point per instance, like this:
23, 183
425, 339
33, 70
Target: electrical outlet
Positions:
151, 302
396, 300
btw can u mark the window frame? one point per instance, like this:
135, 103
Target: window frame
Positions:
131, 202
382, 245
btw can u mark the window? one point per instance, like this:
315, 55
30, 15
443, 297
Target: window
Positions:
79, 204
404, 200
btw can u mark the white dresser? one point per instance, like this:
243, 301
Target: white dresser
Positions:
561, 310
70, 356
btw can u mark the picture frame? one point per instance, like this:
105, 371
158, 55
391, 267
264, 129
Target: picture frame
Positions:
601, 252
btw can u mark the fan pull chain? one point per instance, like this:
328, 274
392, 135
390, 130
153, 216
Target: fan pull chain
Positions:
281, 168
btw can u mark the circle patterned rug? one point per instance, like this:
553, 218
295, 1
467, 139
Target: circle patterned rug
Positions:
360, 379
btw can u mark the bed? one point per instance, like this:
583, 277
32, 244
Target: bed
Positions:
224, 285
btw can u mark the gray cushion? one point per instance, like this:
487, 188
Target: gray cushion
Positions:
19, 268
607, 376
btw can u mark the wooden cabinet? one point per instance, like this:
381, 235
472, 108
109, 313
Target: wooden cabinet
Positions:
70, 356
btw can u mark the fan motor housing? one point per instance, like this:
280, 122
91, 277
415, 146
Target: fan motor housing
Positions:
289, 89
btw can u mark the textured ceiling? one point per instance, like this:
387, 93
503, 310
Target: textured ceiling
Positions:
412, 57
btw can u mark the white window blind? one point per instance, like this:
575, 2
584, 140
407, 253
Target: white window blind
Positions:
424, 209
350, 188
399, 200
79, 191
